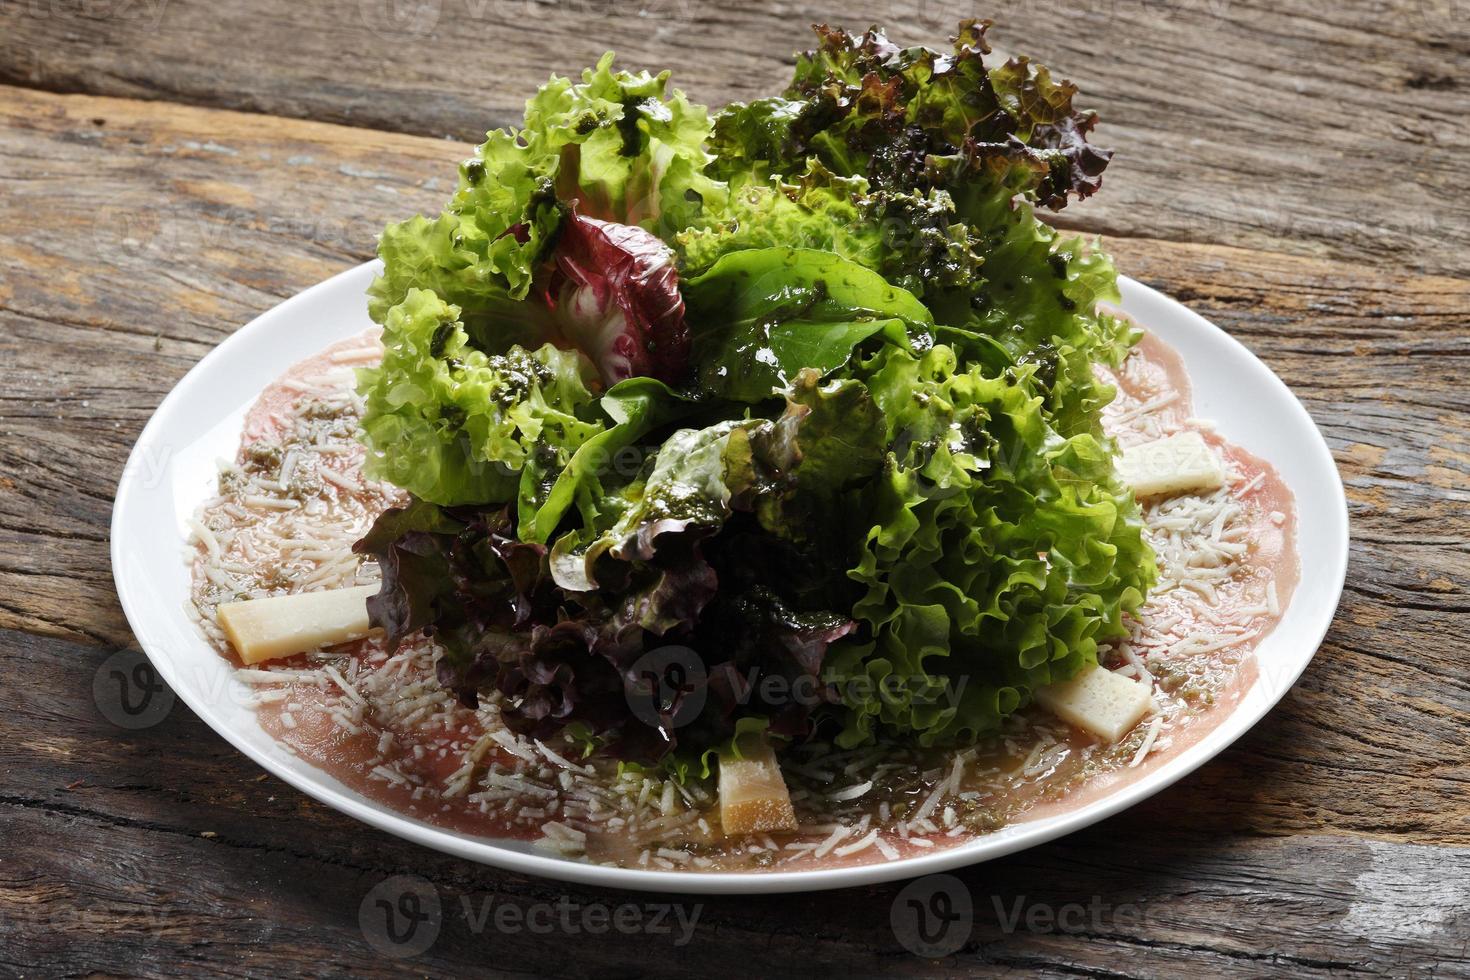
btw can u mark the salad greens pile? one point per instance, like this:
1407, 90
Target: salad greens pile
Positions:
803, 386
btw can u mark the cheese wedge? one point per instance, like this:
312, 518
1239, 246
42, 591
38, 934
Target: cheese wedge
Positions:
753, 795
1182, 463
1098, 701
267, 629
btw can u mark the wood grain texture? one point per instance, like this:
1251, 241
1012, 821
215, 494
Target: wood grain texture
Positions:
1334, 839
1308, 126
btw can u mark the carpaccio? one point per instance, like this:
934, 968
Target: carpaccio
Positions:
294, 500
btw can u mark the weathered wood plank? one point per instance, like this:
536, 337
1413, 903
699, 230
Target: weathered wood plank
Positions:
157, 242
137, 851
1293, 126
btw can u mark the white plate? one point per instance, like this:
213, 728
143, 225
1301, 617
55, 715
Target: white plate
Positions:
173, 468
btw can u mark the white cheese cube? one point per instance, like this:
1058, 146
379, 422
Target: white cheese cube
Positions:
1182, 463
281, 626
1098, 701
753, 794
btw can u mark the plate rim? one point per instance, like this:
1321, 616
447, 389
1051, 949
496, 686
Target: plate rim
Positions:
549, 866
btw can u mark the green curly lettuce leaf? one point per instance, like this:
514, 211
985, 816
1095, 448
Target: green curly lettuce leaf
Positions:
1040, 304
839, 435
617, 146
812, 209
912, 238
453, 424
611, 457
999, 554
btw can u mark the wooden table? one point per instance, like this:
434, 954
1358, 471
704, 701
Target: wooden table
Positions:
1293, 170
